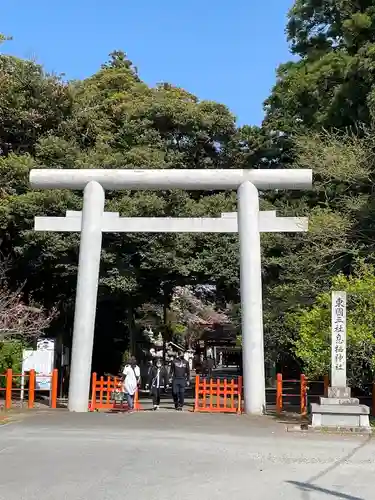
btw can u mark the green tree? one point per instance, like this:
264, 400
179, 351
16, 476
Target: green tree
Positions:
111, 120
10, 357
32, 104
332, 82
322, 109
313, 336
299, 267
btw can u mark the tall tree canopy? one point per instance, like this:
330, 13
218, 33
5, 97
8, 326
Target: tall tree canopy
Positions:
332, 82
110, 120
322, 108
319, 115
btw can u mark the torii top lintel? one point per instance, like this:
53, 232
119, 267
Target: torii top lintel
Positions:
160, 179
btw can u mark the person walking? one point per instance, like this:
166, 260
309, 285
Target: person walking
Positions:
132, 377
180, 374
157, 380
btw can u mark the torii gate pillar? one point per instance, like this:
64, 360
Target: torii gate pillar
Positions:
86, 296
251, 299
246, 182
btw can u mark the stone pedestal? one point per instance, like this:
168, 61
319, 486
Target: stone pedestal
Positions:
339, 392
340, 411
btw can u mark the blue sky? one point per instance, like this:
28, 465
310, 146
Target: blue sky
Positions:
224, 51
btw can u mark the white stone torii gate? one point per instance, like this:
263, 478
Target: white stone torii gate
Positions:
93, 221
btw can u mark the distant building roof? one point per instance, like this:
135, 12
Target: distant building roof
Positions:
220, 333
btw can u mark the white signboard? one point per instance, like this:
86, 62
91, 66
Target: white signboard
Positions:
41, 361
338, 359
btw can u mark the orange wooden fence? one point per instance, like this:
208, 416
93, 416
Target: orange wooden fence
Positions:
302, 395
218, 395
13, 391
102, 394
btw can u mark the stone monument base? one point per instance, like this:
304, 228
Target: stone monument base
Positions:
339, 411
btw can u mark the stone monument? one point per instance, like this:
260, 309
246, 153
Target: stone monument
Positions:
339, 409
249, 223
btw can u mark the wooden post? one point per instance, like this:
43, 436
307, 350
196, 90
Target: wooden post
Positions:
8, 391
54, 381
101, 391
137, 404
373, 400
239, 410
196, 403
93, 392
204, 393
31, 389
303, 395
326, 385
210, 385
279, 393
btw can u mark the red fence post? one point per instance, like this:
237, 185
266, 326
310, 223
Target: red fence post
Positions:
196, 402
373, 399
326, 385
137, 404
303, 395
54, 381
8, 390
279, 393
239, 410
93, 392
31, 389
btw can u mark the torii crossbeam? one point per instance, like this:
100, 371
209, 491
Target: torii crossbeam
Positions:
249, 223
227, 223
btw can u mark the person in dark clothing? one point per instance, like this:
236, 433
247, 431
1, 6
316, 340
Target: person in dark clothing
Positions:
157, 380
197, 364
180, 374
207, 367
210, 363
204, 367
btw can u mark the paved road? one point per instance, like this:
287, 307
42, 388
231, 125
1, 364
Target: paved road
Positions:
182, 456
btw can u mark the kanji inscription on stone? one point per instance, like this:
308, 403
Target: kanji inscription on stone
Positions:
338, 356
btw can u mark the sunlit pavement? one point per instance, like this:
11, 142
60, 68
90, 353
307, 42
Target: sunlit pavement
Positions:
170, 455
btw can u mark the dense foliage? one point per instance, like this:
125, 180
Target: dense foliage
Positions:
319, 115
313, 344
